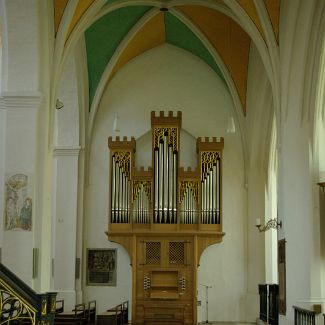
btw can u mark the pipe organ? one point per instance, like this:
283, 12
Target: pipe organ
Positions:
165, 217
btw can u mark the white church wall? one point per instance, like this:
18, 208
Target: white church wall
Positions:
166, 78
22, 28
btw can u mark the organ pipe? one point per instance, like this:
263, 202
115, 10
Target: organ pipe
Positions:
188, 205
113, 190
120, 189
165, 178
170, 183
218, 192
174, 185
161, 180
156, 181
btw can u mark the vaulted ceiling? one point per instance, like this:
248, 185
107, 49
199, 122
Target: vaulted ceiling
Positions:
118, 33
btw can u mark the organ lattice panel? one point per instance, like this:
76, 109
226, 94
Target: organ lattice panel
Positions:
153, 252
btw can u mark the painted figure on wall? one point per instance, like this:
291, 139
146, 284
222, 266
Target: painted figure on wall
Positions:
18, 205
26, 214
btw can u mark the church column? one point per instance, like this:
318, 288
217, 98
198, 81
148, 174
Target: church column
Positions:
296, 181
65, 190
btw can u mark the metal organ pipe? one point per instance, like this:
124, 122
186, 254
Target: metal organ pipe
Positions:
123, 197
161, 180
174, 186
120, 195
141, 205
190, 217
120, 189
215, 194
165, 210
188, 206
218, 191
156, 184
117, 171
165, 178
210, 194
113, 190
170, 183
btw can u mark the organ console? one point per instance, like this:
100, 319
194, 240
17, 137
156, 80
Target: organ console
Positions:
165, 217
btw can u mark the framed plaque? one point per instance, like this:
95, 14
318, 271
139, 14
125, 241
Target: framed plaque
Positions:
101, 267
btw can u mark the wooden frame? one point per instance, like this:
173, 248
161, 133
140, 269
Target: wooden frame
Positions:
101, 267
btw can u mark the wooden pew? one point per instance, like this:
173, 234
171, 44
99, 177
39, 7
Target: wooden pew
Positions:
59, 306
113, 316
76, 316
125, 311
91, 312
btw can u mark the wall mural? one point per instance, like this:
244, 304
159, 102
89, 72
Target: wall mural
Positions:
101, 267
18, 203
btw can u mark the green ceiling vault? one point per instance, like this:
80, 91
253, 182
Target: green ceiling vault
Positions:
180, 35
105, 35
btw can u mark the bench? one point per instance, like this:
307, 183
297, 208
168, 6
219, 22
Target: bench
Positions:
91, 312
76, 316
117, 315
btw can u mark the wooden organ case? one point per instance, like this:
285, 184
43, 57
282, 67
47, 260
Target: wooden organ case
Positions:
165, 217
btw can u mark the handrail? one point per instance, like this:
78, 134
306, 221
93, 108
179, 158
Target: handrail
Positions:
20, 302
303, 310
304, 316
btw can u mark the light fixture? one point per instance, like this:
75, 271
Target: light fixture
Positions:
271, 224
322, 186
58, 104
164, 7
231, 125
116, 127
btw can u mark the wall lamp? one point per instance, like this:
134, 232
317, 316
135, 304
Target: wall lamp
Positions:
322, 186
58, 104
271, 224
